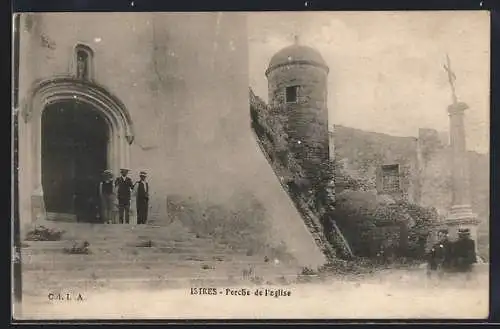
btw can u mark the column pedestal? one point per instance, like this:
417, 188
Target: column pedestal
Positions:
462, 217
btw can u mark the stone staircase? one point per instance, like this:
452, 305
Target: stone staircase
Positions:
131, 256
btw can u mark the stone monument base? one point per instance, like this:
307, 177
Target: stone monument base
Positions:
462, 217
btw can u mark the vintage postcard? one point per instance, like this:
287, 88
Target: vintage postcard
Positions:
251, 165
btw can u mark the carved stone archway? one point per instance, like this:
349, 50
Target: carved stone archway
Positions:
66, 88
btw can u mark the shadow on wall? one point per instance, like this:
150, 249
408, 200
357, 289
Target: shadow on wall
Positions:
239, 223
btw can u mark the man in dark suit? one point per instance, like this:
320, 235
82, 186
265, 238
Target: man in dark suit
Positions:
142, 198
440, 254
124, 187
465, 249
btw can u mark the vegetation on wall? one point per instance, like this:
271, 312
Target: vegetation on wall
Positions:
374, 225
312, 196
377, 226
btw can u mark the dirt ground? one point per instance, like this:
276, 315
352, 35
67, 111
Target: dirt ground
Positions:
391, 294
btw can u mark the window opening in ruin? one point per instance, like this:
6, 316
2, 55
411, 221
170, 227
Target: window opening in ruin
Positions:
83, 62
291, 94
390, 178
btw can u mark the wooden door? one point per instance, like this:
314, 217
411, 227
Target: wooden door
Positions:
58, 168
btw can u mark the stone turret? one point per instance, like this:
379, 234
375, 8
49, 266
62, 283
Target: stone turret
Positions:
297, 83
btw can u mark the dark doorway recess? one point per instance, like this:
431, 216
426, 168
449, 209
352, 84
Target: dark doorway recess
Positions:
74, 154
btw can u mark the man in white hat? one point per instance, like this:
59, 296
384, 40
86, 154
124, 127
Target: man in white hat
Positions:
142, 198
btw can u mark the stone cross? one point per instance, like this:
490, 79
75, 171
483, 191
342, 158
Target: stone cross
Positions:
451, 79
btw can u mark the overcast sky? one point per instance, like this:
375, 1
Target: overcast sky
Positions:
386, 68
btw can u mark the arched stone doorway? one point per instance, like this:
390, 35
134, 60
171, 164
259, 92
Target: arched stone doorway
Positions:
91, 124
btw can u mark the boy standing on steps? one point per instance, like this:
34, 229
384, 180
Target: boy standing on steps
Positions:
124, 187
107, 197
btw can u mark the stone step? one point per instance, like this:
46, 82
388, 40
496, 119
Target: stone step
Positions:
179, 227
91, 236
135, 239
136, 251
120, 233
140, 255
142, 264
146, 254
40, 287
114, 249
160, 261
142, 235
125, 264
120, 240
123, 229
154, 232
235, 270
123, 242
178, 270
106, 248
116, 236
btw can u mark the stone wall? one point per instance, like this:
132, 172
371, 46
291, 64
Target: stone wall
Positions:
434, 171
361, 154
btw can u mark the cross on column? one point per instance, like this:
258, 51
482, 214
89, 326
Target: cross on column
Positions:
451, 78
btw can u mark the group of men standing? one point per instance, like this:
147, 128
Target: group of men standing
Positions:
117, 193
457, 256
